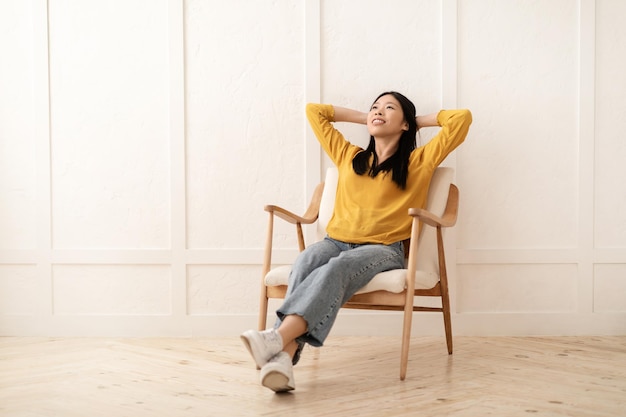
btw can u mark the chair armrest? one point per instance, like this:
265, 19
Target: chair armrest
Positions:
311, 214
449, 216
429, 218
289, 216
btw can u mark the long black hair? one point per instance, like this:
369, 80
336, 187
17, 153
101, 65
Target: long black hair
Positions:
398, 163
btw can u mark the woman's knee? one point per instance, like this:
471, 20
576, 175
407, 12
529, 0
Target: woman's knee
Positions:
316, 255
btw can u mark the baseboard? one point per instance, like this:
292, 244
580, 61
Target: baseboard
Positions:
349, 323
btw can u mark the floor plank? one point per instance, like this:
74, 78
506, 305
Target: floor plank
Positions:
505, 376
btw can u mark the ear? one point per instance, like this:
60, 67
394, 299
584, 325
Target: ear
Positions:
405, 127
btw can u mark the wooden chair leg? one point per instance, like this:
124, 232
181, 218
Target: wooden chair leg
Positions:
406, 336
447, 322
267, 263
263, 312
445, 295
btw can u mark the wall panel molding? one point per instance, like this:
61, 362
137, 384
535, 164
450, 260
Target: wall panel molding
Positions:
586, 132
312, 94
178, 196
42, 131
236, 256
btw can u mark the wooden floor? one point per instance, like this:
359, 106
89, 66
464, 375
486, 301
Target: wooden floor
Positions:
356, 376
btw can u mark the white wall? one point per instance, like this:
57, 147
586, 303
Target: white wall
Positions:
140, 139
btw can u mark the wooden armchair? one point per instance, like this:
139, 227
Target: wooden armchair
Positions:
424, 276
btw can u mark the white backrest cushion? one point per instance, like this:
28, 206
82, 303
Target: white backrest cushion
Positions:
427, 258
327, 204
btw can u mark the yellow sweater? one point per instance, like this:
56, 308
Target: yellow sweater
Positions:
375, 210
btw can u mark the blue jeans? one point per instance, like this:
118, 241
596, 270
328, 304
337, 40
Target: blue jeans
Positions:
324, 277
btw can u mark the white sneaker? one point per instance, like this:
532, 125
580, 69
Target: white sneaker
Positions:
262, 345
277, 374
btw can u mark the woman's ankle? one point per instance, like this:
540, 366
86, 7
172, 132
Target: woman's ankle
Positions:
291, 348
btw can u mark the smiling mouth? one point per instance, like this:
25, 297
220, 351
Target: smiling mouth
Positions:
378, 122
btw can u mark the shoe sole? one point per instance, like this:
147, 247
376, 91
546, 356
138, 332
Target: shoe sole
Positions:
277, 382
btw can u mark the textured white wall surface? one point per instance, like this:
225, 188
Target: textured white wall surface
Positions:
18, 166
140, 140
109, 124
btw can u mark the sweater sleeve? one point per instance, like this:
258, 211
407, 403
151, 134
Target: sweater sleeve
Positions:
332, 141
454, 127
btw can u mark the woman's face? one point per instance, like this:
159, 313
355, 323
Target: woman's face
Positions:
386, 118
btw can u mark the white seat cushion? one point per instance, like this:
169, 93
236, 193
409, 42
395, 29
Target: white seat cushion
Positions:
392, 281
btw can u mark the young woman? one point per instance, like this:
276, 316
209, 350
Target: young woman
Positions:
375, 190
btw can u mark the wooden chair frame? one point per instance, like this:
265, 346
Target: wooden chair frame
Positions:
378, 300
